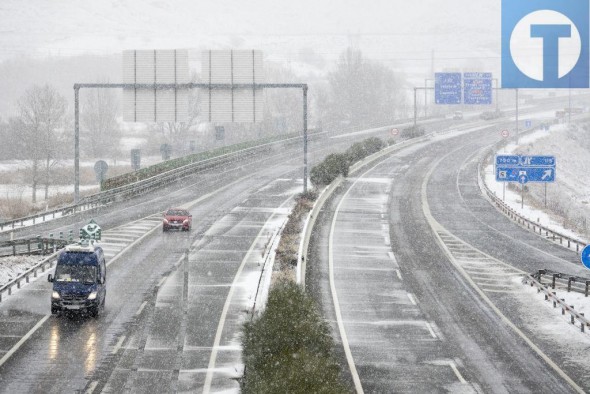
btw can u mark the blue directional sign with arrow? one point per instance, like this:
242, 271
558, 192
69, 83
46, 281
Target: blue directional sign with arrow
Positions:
447, 88
524, 169
477, 88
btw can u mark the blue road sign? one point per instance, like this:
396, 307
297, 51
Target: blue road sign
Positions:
525, 174
508, 160
477, 88
534, 161
585, 256
562, 58
523, 168
527, 123
447, 88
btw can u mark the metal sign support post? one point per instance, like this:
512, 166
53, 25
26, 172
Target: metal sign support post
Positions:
415, 108
304, 139
76, 145
415, 105
516, 116
521, 195
545, 195
503, 191
569, 94
497, 92
165, 86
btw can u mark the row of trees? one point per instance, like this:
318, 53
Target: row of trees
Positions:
357, 93
42, 133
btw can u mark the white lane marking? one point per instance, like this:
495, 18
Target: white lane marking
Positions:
132, 244
429, 327
412, 299
162, 281
457, 373
436, 227
399, 274
118, 345
143, 304
355, 376
23, 339
216, 342
92, 387
386, 240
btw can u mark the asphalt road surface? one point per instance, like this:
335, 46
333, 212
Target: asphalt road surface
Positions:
407, 318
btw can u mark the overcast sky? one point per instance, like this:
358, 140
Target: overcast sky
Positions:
391, 30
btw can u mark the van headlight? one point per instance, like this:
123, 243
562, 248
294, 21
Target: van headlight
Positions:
55, 295
92, 296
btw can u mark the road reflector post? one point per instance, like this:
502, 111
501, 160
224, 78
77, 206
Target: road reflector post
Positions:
572, 315
581, 322
569, 283
71, 236
586, 291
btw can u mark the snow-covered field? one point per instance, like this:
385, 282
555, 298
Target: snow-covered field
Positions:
572, 186
11, 267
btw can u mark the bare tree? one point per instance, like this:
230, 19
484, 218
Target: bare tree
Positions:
42, 124
101, 134
177, 133
364, 93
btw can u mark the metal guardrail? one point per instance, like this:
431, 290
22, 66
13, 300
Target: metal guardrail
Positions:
37, 245
555, 236
41, 266
565, 308
565, 281
131, 190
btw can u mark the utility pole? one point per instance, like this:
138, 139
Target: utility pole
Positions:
516, 116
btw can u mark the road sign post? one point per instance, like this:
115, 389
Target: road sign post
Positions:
524, 169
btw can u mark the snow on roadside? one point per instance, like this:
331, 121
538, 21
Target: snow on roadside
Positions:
556, 329
566, 175
12, 266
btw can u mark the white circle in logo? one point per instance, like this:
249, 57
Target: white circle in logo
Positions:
527, 51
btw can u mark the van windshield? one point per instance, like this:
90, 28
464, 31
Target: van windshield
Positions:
75, 273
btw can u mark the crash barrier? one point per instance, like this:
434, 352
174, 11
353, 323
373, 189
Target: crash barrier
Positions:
564, 281
552, 297
28, 246
544, 231
41, 267
141, 187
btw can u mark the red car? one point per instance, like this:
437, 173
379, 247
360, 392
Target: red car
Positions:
177, 218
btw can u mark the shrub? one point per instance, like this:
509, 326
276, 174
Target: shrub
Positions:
288, 348
333, 165
373, 145
356, 152
413, 132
